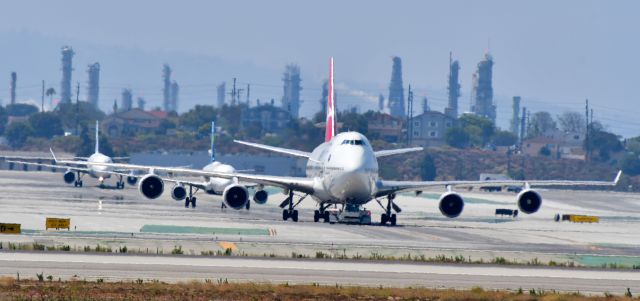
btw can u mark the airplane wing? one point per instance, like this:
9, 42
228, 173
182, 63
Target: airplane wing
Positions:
291, 152
391, 152
389, 187
73, 168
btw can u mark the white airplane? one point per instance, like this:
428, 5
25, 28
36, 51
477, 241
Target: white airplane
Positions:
75, 172
342, 173
212, 185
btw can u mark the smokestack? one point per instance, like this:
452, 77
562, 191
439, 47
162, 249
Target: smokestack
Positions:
166, 91
127, 100
396, 90
515, 118
292, 88
141, 103
380, 102
175, 90
222, 91
14, 78
65, 85
454, 88
93, 90
484, 89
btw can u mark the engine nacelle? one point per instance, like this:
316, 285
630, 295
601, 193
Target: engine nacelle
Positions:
235, 196
131, 180
178, 192
451, 204
260, 197
151, 186
69, 177
529, 201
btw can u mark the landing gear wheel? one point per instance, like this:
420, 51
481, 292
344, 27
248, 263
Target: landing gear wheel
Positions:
193, 202
248, 205
80, 183
392, 220
187, 200
285, 215
316, 216
326, 216
75, 184
384, 219
294, 215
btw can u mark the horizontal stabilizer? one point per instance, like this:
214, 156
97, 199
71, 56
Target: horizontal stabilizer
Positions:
291, 152
391, 152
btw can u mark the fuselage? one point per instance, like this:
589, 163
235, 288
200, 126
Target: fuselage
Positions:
217, 185
345, 170
100, 171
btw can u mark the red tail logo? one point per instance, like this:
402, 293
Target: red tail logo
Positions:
330, 129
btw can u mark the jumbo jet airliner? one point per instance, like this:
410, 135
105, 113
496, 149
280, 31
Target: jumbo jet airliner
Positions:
92, 167
343, 171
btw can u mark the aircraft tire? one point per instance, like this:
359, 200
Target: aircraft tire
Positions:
294, 215
285, 215
327, 217
316, 216
393, 219
193, 202
384, 219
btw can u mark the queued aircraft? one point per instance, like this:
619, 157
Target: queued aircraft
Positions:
75, 172
341, 176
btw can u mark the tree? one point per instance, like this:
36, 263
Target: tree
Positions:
571, 122
485, 126
85, 113
17, 133
541, 122
50, 92
46, 124
197, 117
603, 142
428, 168
21, 109
630, 164
504, 138
457, 137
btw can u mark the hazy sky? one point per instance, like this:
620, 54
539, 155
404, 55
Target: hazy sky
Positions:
552, 53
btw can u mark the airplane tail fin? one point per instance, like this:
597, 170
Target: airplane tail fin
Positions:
330, 129
213, 139
97, 136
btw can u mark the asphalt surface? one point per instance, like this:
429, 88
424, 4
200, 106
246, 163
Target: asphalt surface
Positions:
177, 269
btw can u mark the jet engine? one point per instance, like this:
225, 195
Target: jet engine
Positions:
69, 177
132, 180
529, 201
178, 192
260, 197
451, 204
235, 196
151, 186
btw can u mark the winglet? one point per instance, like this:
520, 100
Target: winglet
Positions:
53, 155
617, 179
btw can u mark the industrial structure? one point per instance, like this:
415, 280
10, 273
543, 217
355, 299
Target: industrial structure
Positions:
166, 90
222, 92
396, 90
515, 117
93, 90
127, 100
141, 103
14, 79
292, 88
482, 93
67, 68
454, 88
175, 89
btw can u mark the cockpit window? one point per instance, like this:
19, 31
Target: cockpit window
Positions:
354, 142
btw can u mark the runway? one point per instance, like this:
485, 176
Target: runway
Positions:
180, 269
116, 218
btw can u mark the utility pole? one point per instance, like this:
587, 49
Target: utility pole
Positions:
78, 109
42, 105
233, 93
587, 130
248, 96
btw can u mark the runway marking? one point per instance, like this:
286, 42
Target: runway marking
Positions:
202, 230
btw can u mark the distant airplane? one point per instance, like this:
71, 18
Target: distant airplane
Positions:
75, 172
212, 185
342, 176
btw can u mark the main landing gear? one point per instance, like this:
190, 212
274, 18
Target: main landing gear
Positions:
321, 214
120, 183
389, 216
290, 212
190, 199
78, 182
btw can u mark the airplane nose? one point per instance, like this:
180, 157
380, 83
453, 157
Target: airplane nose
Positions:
355, 160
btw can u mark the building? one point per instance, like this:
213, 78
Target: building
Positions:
267, 118
385, 127
292, 88
166, 87
483, 89
93, 90
67, 68
396, 90
559, 145
132, 122
429, 129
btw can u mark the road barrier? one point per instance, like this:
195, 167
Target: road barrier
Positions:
10, 228
58, 223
